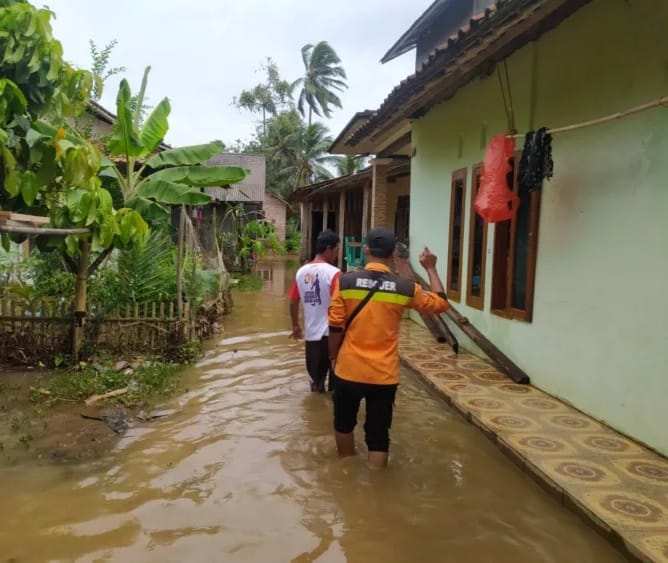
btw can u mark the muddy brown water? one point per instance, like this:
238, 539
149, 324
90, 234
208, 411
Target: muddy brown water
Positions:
246, 471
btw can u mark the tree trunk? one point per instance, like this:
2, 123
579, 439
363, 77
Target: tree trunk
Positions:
179, 262
80, 286
310, 112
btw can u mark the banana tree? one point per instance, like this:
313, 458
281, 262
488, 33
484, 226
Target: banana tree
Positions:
46, 168
150, 179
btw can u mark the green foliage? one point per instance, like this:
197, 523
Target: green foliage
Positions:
249, 282
35, 81
145, 181
323, 75
248, 239
296, 153
46, 168
269, 97
143, 274
100, 67
146, 381
292, 235
348, 164
292, 244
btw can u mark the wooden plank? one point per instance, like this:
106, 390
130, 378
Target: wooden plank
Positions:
171, 310
7, 216
503, 362
434, 323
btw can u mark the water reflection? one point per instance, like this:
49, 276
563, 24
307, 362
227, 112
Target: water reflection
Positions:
245, 470
277, 274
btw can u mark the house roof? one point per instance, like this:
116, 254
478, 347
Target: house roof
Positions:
251, 188
357, 120
409, 39
351, 181
490, 37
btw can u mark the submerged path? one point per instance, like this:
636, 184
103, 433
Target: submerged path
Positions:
245, 470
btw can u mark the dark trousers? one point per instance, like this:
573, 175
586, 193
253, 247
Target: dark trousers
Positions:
317, 363
379, 406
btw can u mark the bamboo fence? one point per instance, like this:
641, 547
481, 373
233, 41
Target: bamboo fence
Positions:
32, 331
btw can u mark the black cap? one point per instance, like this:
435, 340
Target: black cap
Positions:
381, 242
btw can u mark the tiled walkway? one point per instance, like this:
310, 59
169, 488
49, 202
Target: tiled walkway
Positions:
619, 485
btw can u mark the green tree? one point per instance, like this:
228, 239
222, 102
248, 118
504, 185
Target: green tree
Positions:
46, 168
150, 179
100, 66
303, 155
348, 164
268, 97
323, 77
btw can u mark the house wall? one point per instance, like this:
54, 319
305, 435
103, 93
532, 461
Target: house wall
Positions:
599, 335
275, 212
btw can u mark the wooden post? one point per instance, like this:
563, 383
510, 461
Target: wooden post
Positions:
179, 260
80, 284
325, 212
342, 223
365, 209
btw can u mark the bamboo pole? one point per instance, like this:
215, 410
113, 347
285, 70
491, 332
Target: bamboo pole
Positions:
179, 260
80, 300
41, 230
606, 119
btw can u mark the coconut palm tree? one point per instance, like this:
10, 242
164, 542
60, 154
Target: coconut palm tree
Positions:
348, 164
323, 76
301, 157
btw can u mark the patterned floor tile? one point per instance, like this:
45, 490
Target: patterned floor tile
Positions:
646, 470
628, 508
656, 547
535, 444
576, 471
613, 480
606, 444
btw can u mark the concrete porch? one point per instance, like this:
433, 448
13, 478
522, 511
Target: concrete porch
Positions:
618, 485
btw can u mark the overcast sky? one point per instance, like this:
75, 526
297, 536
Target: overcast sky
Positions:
202, 53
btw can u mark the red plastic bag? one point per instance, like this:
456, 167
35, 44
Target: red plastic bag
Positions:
495, 201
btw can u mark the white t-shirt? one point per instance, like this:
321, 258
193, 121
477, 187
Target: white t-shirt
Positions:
313, 288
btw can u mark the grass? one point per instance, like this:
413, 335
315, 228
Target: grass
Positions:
249, 282
144, 382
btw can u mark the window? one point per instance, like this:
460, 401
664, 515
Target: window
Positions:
515, 246
475, 294
456, 234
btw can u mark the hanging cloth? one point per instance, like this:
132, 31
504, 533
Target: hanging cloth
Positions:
495, 201
536, 163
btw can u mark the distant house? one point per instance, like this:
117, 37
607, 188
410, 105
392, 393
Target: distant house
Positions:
346, 204
573, 288
276, 212
250, 194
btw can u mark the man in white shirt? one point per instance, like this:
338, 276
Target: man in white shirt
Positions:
312, 287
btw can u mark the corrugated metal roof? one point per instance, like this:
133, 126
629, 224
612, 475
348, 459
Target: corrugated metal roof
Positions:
251, 188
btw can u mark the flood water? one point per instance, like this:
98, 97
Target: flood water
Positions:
246, 471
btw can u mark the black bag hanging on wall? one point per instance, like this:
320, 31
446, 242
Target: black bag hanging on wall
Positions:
536, 163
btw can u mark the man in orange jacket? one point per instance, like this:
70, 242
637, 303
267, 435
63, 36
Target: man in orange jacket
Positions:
364, 341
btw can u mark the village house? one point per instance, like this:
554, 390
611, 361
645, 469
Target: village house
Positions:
346, 206
572, 288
